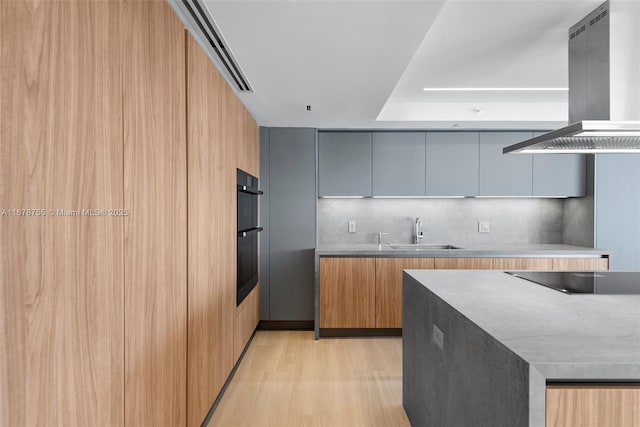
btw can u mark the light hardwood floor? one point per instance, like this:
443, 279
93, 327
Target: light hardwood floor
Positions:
288, 379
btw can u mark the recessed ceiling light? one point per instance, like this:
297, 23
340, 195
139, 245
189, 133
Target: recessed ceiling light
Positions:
495, 89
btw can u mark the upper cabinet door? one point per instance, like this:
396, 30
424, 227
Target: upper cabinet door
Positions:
559, 174
504, 174
344, 164
398, 164
452, 163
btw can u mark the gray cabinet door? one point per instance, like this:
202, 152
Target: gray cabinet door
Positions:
559, 174
398, 164
504, 174
291, 223
344, 164
452, 163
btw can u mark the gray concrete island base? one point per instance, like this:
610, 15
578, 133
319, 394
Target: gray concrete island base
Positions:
502, 340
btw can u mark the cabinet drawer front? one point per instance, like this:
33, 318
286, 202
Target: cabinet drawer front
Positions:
593, 405
522, 263
463, 263
581, 263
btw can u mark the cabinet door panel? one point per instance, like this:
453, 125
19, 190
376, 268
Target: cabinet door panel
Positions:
155, 231
344, 164
463, 263
347, 292
389, 288
398, 164
522, 263
61, 276
573, 264
559, 175
504, 174
211, 228
292, 235
593, 405
452, 163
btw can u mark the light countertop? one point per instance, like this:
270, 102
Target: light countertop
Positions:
515, 251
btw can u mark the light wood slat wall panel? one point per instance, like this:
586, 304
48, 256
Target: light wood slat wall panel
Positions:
155, 231
522, 263
593, 406
347, 292
463, 263
581, 264
212, 234
389, 288
61, 287
247, 318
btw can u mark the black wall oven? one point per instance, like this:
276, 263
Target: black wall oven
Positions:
247, 251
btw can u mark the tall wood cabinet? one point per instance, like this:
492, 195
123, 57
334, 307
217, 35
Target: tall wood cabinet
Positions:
155, 190
105, 319
61, 277
221, 135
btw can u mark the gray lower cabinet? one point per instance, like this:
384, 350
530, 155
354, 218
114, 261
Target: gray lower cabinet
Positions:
452, 163
398, 164
504, 174
344, 164
559, 174
288, 213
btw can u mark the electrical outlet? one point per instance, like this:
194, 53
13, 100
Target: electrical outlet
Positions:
352, 226
483, 227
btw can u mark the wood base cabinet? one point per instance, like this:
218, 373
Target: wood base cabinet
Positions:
593, 405
347, 292
367, 292
389, 288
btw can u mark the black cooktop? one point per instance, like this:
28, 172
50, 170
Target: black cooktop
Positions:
585, 282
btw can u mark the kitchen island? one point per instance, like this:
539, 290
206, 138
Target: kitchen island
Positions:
481, 347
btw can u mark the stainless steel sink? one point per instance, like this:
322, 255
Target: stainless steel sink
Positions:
421, 247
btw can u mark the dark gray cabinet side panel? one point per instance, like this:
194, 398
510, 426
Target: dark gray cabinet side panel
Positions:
344, 164
398, 164
452, 163
264, 222
292, 211
559, 175
617, 217
504, 174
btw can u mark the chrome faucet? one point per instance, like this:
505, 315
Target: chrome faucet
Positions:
380, 239
417, 232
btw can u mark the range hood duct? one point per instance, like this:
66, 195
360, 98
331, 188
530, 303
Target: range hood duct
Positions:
604, 86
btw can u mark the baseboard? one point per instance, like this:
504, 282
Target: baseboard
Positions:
286, 325
226, 383
360, 332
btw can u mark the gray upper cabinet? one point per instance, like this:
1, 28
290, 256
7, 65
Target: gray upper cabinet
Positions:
452, 163
344, 164
398, 164
504, 174
559, 174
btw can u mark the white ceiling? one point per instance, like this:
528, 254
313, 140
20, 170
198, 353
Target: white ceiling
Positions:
364, 64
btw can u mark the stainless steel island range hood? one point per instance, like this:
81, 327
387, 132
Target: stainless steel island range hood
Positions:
604, 86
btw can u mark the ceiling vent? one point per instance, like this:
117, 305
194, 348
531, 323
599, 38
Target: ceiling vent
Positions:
198, 21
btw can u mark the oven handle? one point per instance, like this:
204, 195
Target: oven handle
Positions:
250, 232
249, 190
